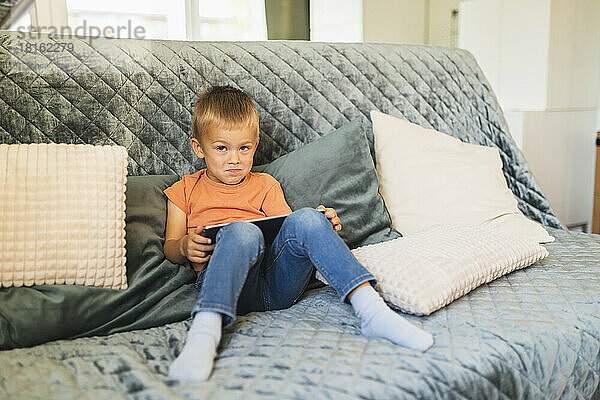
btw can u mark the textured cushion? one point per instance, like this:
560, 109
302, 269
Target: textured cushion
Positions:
423, 272
337, 171
63, 215
427, 178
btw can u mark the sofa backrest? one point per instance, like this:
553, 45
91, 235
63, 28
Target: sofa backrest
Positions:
140, 94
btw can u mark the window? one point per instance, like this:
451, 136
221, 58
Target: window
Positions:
141, 19
19, 18
235, 20
175, 19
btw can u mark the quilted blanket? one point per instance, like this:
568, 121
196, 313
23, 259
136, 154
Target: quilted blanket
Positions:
532, 334
140, 94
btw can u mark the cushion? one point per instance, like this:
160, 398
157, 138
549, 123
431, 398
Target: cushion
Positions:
421, 273
428, 178
159, 291
337, 171
63, 215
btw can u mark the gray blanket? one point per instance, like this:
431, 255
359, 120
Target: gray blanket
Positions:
532, 334
140, 94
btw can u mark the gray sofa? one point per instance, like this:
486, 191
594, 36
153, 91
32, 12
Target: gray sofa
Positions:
532, 334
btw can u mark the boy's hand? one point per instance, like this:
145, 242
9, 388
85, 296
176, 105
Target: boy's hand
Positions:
331, 216
196, 247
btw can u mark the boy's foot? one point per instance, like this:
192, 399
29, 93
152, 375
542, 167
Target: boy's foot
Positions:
195, 362
378, 320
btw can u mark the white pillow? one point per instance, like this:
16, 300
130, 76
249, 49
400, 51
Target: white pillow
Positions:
428, 178
62, 215
421, 273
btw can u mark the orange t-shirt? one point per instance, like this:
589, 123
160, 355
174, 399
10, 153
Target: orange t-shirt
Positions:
206, 202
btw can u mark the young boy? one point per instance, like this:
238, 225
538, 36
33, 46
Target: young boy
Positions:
237, 274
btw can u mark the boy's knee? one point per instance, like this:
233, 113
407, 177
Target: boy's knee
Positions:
244, 233
309, 218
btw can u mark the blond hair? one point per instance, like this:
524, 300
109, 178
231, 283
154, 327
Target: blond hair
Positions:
223, 107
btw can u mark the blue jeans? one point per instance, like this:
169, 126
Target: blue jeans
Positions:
243, 276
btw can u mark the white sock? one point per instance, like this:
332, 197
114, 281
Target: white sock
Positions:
195, 362
378, 320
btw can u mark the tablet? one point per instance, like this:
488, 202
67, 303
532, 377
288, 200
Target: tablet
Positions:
268, 225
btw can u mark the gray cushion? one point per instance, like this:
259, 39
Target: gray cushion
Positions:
337, 171
159, 291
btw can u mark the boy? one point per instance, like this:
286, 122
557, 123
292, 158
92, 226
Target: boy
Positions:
241, 275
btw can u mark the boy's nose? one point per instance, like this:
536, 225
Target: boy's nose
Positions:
234, 157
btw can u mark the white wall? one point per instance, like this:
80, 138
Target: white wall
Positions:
560, 149
572, 100
598, 116
406, 21
542, 58
443, 28
509, 38
524, 48
480, 31
394, 21
329, 24
48, 15
574, 57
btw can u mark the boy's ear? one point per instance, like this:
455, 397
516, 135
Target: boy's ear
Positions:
197, 148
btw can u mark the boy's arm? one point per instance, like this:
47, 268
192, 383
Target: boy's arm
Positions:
179, 246
174, 233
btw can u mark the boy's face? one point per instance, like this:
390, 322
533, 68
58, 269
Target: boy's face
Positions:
228, 153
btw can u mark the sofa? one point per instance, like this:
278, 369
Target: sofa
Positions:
534, 333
